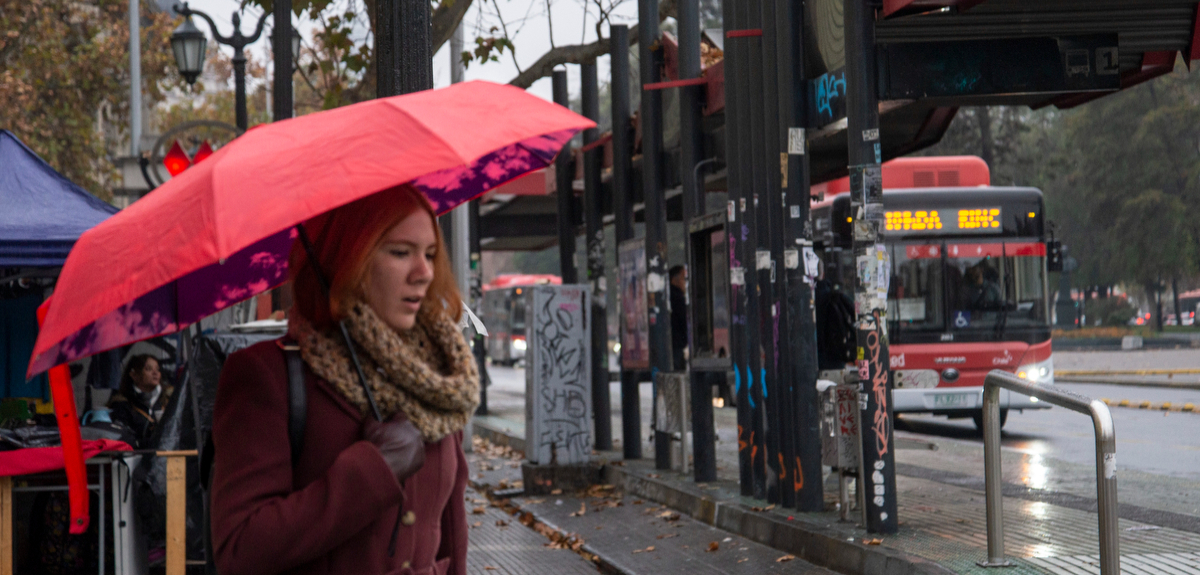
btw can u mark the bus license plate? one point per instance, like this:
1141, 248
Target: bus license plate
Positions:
952, 400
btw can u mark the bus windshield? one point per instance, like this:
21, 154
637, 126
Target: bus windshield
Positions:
955, 286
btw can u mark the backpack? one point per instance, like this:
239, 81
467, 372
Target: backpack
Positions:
297, 414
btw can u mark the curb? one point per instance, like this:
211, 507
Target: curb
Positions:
1097, 380
821, 546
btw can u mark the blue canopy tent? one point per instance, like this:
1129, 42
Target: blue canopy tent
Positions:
42, 213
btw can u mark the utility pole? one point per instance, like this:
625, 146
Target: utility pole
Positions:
872, 266
800, 343
135, 78
593, 216
657, 304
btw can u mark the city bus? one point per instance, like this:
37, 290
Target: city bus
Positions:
968, 287
503, 315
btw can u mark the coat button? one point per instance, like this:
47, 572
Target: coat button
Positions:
408, 518
405, 565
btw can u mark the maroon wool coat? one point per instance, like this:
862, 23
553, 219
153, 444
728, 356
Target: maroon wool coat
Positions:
336, 509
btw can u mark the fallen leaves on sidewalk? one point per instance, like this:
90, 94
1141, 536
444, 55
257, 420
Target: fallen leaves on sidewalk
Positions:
669, 516
479, 510
646, 550
477, 524
667, 536
582, 510
489, 568
556, 492
715, 545
501, 523
761, 509
785, 558
872, 541
743, 560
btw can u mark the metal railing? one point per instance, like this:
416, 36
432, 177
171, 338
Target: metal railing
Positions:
1106, 464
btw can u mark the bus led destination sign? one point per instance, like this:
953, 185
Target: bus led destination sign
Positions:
945, 221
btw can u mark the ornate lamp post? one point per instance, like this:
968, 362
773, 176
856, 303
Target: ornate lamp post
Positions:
188, 43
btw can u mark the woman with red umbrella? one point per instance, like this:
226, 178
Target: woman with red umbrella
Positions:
363, 496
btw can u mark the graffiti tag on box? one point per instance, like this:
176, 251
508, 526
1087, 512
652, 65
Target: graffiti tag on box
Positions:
557, 376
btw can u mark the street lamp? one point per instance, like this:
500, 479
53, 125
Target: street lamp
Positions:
189, 54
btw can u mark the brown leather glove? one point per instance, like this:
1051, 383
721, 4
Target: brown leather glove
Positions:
399, 442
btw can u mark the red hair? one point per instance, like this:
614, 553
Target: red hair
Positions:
344, 240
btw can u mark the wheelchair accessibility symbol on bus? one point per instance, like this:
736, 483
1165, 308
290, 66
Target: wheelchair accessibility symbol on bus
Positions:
962, 319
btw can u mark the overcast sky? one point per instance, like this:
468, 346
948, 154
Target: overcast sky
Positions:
532, 40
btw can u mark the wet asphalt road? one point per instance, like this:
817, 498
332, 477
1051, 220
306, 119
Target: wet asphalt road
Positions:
1147, 441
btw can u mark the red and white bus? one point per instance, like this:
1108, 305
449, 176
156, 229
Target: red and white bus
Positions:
968, 290
504, 314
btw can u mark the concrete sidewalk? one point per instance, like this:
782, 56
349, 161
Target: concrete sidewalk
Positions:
1050, 526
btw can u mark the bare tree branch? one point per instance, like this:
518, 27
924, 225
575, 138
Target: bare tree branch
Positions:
446, 17
580, 53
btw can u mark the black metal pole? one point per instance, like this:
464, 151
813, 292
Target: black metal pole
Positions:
756, 167
476, 299
239, 88
774, 318
800, 343
622, 190
738, 179
656, 212
563, 176
866, 188
281, 47
691, 151
403, 47
593, 214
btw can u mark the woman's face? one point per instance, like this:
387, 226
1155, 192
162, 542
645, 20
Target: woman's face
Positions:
147, 378
401, 270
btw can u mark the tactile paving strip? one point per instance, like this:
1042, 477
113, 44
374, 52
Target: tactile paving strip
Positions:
1135, 564
513, 549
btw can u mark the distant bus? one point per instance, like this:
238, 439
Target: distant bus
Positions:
968, 289
504, 315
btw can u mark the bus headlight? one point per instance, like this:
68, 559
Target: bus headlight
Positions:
1040, 372
518, 344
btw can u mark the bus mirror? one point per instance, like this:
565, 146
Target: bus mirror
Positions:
1054, 256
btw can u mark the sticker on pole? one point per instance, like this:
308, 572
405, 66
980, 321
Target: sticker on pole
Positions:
762, 259
732, 211
737, 276
791, 259
1110, 465
796, 141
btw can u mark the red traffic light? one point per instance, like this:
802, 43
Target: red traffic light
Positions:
176, 160
202, 152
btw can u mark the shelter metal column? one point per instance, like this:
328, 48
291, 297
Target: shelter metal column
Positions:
776, 399
622, 190
799, 344
691, 154
739, 177
593, 215
563, 176
656, 212
872, 266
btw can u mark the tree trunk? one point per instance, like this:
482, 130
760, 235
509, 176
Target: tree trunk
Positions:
1175, 295
985, 136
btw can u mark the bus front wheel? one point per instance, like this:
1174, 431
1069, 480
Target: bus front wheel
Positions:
978, 417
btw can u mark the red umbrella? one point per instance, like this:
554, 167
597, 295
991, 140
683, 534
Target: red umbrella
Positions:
221, 231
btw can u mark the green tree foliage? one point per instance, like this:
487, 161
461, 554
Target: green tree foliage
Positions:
64, 80
1121, 175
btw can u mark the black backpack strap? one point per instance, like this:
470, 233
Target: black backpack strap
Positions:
297, 398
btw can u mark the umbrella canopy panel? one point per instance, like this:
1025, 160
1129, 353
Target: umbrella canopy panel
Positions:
221, 232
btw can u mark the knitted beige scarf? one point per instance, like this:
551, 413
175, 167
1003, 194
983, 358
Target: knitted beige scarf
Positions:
428, 372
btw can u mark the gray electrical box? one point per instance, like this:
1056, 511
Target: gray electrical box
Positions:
558, 390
